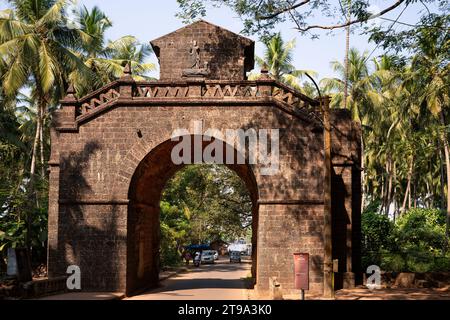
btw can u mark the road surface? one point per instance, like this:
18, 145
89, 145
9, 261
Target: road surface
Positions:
219, 281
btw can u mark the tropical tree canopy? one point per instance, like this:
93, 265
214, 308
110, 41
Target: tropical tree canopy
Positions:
278, 61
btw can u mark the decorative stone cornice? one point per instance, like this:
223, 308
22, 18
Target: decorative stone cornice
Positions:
127, 92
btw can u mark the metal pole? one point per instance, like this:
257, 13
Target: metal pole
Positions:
302, 294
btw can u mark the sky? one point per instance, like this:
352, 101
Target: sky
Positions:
150, 19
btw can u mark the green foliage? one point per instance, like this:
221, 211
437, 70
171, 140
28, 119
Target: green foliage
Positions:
23, 223
389, 261
13, 231
415, 243
202, 203
41, 50
421, 241
213, 199
377, 230
431, 25
278, 59
376, 236
174, 224
106, 59
423, 229
262, 16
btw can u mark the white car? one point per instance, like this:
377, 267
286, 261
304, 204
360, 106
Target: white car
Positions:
207, 256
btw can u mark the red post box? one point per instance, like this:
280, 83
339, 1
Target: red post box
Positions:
301, 267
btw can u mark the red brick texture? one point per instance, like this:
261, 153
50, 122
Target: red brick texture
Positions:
229, 56
111, 159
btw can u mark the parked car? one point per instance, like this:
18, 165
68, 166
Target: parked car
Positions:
216, 255
235, 256
208, 256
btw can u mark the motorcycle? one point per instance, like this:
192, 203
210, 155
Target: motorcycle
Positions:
197, 261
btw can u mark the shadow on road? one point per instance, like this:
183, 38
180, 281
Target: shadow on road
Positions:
219, 275
220, 267
176, 284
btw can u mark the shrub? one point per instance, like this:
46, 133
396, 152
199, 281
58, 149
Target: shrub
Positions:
415, 243
421, 229
376, 236
392, 262
442, 263
418, 243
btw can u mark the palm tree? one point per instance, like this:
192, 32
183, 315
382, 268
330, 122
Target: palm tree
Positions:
358, 83
278, 57
106, 61
390, 143
128, 50
27, 116
38, 49
94, 23
354, 75
431, 69
347, 48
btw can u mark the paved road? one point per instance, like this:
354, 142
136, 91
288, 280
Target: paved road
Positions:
220, 281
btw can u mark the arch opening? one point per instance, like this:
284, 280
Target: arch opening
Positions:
143, 222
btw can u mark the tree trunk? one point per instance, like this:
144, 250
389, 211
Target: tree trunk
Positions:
35, 146
41, 141
394, 184
441, 165
447, 165
428, 196
414, 184
389, 185
347, 49
31, 187
409, 200
363, 174
408, 187
385, 185
382, 193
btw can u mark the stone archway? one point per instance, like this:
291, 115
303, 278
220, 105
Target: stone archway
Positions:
109, 164
144, 195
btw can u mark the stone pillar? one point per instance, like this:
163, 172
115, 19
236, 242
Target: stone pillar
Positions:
349, 276
286, 227
327, 231
126, 84
65, 117
343, 224
53, 248
265, 83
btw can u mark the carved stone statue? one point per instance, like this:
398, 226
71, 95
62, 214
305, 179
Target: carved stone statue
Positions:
196, 70
195, 53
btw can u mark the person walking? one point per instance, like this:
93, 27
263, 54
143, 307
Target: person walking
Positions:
187, 257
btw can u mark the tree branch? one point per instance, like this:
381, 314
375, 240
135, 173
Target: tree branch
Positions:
395, 5
283, 10
425, 6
